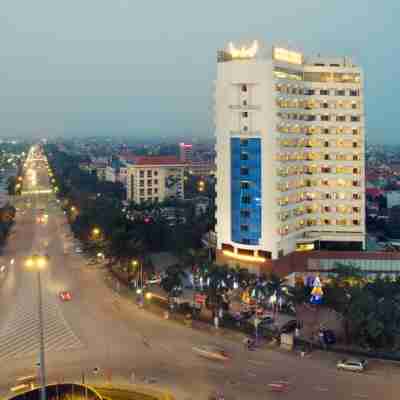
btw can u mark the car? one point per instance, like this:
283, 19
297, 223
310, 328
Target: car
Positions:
211, 352
352, 365
290, 326
65, 296
78, 250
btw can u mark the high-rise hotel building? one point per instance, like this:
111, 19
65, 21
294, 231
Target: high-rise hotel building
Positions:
290, 136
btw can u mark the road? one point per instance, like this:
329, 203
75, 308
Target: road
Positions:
99, 329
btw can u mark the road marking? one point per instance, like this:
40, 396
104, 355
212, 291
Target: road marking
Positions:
19, 334
321, 389
256, 362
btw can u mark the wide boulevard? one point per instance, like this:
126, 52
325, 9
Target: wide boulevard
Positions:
100, 329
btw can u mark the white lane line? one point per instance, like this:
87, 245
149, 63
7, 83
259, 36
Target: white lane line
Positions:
321, 389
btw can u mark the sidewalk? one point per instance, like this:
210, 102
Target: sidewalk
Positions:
156, 308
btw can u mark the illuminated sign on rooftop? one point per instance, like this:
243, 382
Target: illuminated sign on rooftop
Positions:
285, 55
238, 53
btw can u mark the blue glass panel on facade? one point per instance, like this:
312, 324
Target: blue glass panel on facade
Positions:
246, 198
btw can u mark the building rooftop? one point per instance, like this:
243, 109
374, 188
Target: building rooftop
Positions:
157, 160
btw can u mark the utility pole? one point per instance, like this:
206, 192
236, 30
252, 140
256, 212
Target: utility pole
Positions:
41, 337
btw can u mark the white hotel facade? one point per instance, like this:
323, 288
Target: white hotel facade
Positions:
290, 161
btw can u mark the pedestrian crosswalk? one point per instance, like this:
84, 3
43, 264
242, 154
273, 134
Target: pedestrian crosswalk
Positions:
19, 333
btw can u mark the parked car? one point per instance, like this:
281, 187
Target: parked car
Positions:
329, 336
290, 326
352, 365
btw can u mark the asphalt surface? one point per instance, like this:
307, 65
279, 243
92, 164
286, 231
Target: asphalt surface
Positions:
100, 329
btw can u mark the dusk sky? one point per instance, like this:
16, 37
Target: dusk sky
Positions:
145, 68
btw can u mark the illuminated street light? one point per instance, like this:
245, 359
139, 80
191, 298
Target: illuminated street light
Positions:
38, 263
96, 231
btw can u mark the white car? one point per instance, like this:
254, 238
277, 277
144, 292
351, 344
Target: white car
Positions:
352, 365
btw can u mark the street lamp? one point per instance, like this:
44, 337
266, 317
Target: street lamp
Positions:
134, 264
38, 263
96, 231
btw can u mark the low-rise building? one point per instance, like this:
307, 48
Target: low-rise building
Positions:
201, 168
155, 178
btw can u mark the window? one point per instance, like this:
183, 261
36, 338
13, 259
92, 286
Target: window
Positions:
355, 131
244, 185
327, 221
326, 157
155, 190
142, 199
244, 156
149, 192
326, 131
244, 142
142, 183
326, 144
354, 92
149, 173
324, 92
244, 88
245, 114
355, 144
245, 213
155, 173
354, 118
246, 199
356, 196
356, 183
356, 157
156, 181
341, 118
244, 171
340, 92
142, 192
149, 182
244, 103
356, 209
245, 128
355, 170
141, 174
356, 222
244, 228
156, 199
325, 105
245, 241
354, 105
325, 117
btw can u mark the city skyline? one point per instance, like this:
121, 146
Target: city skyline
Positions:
103, 68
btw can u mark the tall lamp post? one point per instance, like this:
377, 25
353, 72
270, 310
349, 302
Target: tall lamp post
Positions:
37, 263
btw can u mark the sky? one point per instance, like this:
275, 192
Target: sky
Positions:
146, 68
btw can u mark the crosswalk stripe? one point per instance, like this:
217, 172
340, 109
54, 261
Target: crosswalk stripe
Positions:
19, 335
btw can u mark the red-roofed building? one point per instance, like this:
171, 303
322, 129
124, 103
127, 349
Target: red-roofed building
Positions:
154, 178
